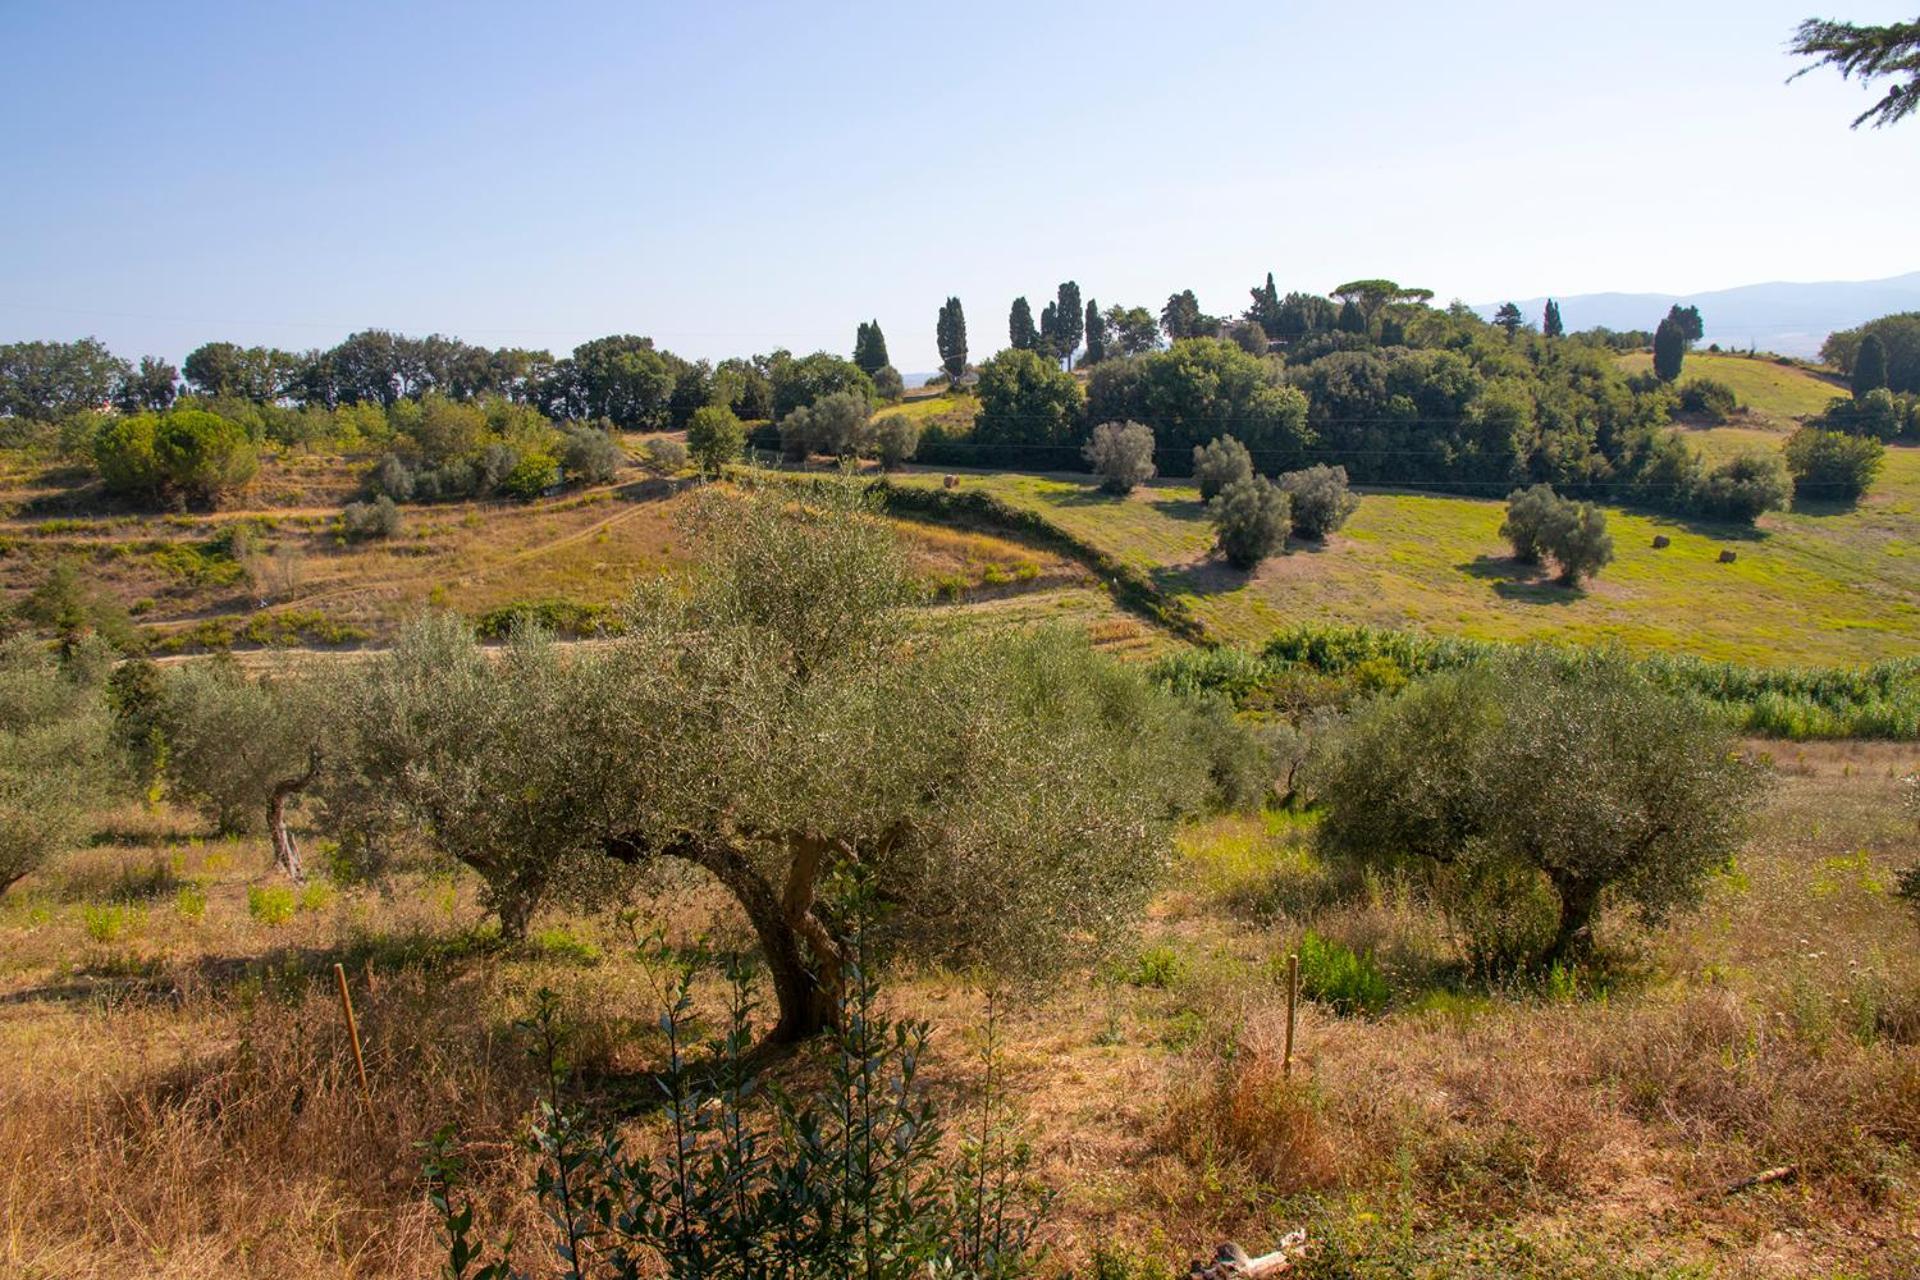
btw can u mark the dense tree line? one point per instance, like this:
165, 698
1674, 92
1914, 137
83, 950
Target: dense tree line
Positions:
622, 379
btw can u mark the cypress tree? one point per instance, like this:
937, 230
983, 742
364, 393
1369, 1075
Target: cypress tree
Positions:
951, 334
1266, 307
1096, 334
1669, 349
1067, 324
1869, 366
1049, 344
1352, 319
1020, 331
1550, 324
870, 348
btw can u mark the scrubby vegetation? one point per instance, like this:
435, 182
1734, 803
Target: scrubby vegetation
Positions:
1881, 700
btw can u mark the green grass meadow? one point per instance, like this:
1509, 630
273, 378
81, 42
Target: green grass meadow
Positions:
1807, 586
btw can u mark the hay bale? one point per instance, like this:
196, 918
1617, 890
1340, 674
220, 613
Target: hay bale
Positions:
1661, 542
1728, 555
952, 482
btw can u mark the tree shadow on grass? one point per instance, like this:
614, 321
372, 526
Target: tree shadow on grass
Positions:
1514, 580
1182, 508
1819, 507
1091, 496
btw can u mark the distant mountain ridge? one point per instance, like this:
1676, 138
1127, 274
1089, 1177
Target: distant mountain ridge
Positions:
1791, 318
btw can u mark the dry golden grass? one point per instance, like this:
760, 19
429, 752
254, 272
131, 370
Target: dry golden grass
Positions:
176, 1098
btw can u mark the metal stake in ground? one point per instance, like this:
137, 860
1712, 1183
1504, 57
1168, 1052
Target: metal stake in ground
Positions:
353, 1034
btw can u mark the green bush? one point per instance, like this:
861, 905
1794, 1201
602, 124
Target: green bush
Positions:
852, 1177
1832, 466
1744, 488
589, 455
1337, 975
1530, 512
531, 476
184, 454
271, 905
364, 521
715, 437
1709, 398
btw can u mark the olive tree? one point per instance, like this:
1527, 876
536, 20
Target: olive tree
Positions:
1250, 520
1121, 454
244, 750
1569, 767
476, 750
774, 724
1321, 501
1219, 463
54, 757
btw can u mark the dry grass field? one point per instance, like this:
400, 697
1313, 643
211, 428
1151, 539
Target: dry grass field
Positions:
289, 578
177, 1098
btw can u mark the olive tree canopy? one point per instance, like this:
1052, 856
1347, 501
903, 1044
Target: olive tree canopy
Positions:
1569, 766
1009, 799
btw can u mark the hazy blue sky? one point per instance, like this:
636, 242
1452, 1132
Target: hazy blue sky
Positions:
730, 178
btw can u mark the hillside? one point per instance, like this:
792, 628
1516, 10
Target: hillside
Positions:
277, 572
1771, 394
1793, 318
1805, 587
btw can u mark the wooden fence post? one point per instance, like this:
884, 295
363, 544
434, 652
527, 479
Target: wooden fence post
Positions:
353, 1034
1293, 1000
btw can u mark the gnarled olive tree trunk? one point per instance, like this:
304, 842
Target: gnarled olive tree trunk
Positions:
805, 962
286, 850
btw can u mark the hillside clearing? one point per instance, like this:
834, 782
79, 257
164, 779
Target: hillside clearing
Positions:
1773, 394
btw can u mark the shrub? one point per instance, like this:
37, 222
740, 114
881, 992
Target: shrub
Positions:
54, 756
1709, 398
531, 476
391, 478
1878, 413
666, 455
122, 450
1744, 488
1321, 500
1568, 765
1250, 521
715, 437
851, 1178
589, 455
202, 455
896, 438
1219, 463
1337, 975
365, 521
186, 453
1832, 465
1121, 454
887, 383
272, 905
